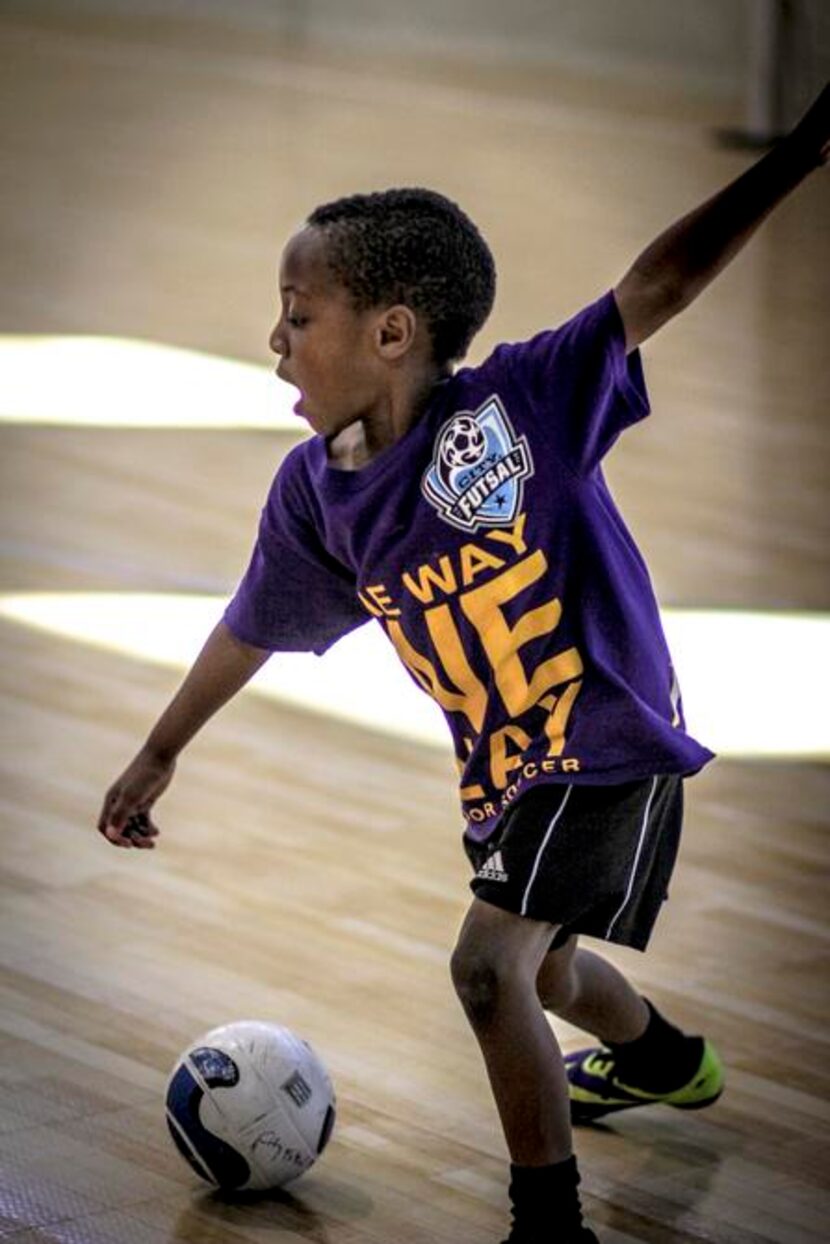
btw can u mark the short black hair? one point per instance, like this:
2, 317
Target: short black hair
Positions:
416, 247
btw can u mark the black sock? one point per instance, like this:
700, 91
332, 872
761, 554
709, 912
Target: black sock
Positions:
660, 1060
544, 1195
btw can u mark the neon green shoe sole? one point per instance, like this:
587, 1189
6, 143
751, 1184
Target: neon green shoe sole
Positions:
595, 1090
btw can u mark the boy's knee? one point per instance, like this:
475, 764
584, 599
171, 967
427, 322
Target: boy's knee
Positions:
495, 960
482, 972
478, 977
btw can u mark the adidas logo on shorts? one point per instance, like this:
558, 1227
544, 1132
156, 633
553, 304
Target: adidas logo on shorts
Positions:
493, 868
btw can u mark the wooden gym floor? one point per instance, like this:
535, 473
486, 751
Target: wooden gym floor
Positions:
312, 872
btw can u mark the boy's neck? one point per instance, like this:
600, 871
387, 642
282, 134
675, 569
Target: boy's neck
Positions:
362, 441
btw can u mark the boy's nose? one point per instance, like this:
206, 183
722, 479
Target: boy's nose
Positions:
277, 341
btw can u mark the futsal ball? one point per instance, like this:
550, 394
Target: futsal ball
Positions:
463, 442
250, 1106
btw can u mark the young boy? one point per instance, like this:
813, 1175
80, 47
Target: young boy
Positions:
466, 512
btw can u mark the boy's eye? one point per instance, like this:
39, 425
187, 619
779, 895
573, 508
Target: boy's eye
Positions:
297, 321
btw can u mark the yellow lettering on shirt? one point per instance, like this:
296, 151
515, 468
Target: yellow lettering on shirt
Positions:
429, 578
382, 604
369, 606
471, 792
559, 710
552, 686
502, 764
470, 698
501, 642
468, 792
474, 560
514, 537
444, 634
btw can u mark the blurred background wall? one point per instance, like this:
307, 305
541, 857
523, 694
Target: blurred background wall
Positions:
707, 46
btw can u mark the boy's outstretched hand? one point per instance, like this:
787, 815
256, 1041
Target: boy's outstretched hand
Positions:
811, 135
222, 668
125, 815
686, 257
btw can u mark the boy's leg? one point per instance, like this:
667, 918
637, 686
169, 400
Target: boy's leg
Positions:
494, 968
643, 1059
589, 992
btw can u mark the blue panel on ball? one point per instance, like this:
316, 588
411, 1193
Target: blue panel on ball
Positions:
186, 1152
326, 1131
227, 1167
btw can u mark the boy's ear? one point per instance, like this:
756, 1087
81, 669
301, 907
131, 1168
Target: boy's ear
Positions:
395, 331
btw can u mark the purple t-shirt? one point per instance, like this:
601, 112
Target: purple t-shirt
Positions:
486, 543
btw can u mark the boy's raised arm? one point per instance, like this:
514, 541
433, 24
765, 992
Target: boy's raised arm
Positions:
222, 668
681, 262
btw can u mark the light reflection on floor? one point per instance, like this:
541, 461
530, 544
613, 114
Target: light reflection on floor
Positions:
754, 684
118, 382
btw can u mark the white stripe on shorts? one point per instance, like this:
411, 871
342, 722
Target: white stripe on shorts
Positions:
624, 903
541, 851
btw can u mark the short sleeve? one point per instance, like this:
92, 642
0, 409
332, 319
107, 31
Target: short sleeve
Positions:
294, 597
582, 383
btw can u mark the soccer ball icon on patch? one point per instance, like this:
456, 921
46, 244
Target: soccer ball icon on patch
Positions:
462, 443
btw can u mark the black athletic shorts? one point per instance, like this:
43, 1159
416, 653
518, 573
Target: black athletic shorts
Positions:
594, 859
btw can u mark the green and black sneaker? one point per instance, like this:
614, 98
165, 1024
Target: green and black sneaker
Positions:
596, 1091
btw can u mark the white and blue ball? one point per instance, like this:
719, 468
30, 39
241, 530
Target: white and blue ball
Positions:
250, 1106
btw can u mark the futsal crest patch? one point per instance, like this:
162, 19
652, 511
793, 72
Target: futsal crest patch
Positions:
477, 471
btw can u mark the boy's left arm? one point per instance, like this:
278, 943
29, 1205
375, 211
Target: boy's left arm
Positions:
681, 262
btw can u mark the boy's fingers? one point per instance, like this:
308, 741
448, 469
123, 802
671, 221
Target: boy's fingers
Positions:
140, 830
113, 813
116, 836
114, 823
132, 834
125, 828
141, 841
